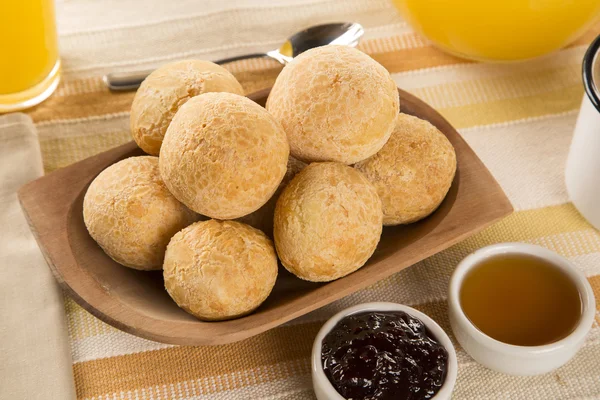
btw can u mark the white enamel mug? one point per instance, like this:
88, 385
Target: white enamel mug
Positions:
582, 174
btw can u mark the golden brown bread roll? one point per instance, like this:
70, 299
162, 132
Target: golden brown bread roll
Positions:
335, 104
327, 222
218, 270
168, 88
223, 155
130, 213
413, 171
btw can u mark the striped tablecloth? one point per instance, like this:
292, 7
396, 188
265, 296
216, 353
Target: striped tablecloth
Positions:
518, 118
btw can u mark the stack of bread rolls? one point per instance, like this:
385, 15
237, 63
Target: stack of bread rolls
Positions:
319, 170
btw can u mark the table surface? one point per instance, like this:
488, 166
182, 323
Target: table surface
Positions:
518, 118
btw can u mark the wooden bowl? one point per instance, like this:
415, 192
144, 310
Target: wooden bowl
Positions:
136, 301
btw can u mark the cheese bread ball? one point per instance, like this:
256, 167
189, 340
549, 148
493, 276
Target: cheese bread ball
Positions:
223, 155
218, 270
413, 172
168, 88
335, 104
130, 213
327, 222
263, 217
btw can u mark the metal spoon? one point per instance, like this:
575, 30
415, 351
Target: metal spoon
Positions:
348, 33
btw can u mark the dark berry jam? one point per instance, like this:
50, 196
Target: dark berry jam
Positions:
383, 355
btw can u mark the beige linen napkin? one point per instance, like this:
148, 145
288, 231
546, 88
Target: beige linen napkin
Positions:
35, 357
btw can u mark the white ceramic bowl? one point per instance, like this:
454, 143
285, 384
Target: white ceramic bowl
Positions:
323, 388
507, 358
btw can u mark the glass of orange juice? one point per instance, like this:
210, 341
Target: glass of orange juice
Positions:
29, 61
500, 30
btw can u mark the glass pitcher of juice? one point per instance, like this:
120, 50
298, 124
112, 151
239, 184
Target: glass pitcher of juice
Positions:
500, 30
29, 62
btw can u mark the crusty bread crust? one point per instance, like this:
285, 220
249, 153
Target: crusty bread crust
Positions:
165, 90
218, 270
223, 155
130, 213
413, 171
336, 104
327, 222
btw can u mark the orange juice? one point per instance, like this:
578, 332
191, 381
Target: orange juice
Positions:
500, 30
29, 61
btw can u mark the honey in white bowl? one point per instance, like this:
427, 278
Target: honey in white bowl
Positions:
521, 300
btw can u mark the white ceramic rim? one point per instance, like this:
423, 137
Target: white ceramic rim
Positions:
434, 328
588, 302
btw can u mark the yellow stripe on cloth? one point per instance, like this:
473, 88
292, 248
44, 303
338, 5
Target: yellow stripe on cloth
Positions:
82, 105
595, 283
505, 98
531, 224
60, 152
279, 346
493, 112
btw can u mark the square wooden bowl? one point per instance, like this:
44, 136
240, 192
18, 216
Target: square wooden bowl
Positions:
136, 301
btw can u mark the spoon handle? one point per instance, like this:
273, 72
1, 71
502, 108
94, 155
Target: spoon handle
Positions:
126, 81
238, 58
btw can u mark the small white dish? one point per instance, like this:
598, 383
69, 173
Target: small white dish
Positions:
507, 358
323, 388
